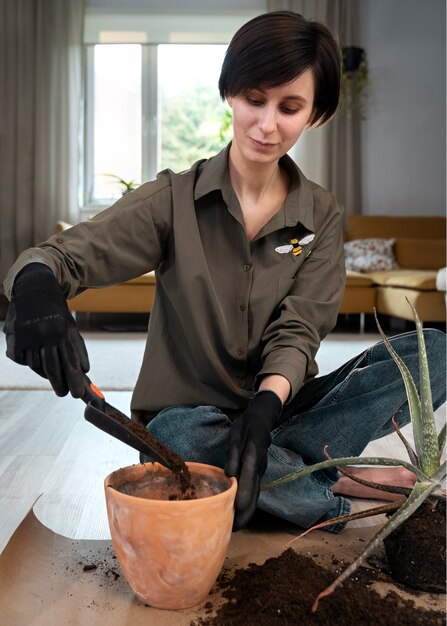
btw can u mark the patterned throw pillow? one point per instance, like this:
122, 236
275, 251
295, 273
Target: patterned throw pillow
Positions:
370, 255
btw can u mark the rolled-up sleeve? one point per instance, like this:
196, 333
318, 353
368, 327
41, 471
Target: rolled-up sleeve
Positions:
308, 311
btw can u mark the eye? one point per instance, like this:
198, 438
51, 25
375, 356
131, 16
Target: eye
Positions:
289, 110
253, 100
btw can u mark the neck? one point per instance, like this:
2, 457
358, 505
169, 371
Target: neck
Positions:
252, 179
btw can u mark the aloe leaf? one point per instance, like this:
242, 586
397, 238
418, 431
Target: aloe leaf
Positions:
406, 491
411, 453
441, 440
430, 458
440, 474
350, 517
352, 460
379, 486
369, 483
421, 491
414, 403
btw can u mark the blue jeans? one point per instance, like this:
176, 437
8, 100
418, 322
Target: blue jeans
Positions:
345, 409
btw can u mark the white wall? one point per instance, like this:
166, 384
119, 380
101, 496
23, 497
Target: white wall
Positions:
403, 137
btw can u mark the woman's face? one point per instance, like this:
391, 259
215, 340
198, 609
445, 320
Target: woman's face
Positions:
268, 122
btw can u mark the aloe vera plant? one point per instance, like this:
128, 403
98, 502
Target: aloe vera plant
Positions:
425, 461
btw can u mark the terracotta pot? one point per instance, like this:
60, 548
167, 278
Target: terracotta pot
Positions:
170, 551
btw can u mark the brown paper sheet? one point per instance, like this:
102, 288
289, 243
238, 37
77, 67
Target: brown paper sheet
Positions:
43, 581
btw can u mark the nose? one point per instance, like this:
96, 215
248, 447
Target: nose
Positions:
267, 121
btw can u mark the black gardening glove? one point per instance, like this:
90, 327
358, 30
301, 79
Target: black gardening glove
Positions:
249, 440
40, 331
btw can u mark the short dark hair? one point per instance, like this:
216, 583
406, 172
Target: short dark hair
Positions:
275, 48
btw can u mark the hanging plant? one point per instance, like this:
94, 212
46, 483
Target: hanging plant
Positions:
354, 80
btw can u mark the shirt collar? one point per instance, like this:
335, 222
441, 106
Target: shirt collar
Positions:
298, 207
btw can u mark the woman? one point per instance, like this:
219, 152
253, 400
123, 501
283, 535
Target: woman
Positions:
250, 272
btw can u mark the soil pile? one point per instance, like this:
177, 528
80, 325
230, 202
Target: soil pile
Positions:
282, 590
421, 539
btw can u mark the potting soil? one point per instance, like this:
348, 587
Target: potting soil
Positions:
421, 539
161, 484
282, 591
179, 467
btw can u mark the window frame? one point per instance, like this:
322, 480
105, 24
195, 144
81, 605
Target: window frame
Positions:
149, 31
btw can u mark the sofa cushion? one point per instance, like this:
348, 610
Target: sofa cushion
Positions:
430, 305
423, 254
357, 279
423, 280
441, 279
369, 255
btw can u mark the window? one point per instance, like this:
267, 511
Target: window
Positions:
116, 119
152, 98
151, 108
191, 113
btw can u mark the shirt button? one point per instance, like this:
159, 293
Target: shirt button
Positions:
246, 268
240, 351
242, 307
60, 240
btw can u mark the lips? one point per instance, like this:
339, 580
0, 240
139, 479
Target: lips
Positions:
262, 144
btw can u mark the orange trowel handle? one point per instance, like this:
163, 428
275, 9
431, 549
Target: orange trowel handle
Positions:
93, 395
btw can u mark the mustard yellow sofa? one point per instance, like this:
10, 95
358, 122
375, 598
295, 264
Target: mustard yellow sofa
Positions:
420, 251
133, 296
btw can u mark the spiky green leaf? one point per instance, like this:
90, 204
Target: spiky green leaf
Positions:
420, 492
414, 403
430, 458
440, 474
352, 460
369, 483
411, 453
350, 517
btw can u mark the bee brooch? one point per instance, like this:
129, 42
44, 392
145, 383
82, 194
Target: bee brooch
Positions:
295, 246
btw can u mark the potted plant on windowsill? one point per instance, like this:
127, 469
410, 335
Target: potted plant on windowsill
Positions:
417, 559
126, 185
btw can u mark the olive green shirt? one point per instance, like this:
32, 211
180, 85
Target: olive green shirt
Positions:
227, 311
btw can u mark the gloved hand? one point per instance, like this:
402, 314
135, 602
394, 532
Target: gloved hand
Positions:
40, 331
249, 440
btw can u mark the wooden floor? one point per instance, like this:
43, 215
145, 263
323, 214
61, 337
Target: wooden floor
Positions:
50, 457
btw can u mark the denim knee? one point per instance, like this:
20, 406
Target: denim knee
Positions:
194, 433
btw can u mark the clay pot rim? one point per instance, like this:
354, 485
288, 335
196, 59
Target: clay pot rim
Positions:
172, 503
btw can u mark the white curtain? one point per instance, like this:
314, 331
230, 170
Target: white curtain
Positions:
331, 155
40, 120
